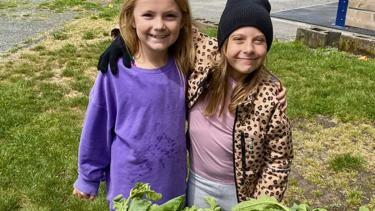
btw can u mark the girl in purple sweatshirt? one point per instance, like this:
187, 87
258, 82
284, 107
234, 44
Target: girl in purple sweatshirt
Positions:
134, 129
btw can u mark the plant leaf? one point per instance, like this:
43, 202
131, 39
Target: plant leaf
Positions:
119, 203
143, 189
175, 204
212, 203
138, 204
261, 204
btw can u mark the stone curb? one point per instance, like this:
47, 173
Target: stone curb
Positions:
316, 37
358, 44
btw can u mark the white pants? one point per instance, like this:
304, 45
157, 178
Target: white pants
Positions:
199, 188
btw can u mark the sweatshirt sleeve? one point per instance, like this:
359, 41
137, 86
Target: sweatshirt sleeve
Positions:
96, 138
279, 154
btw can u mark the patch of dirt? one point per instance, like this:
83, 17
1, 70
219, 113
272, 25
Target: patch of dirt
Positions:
366, 183
326, 122
318, 140
300, 124
318, 197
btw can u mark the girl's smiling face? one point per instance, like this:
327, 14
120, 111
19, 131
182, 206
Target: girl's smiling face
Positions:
245, 51
157, 24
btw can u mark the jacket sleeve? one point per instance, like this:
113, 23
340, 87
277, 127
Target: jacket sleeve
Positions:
96, 138
278, 156
205, 48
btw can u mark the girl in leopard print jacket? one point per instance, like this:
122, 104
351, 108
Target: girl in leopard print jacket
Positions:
241, 144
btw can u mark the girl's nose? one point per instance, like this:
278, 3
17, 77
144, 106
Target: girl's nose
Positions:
248, 47
159, 24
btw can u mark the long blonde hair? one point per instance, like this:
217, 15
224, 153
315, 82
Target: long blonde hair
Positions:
182, 49
216, 94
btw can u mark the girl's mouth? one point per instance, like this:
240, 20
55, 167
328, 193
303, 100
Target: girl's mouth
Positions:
162, 36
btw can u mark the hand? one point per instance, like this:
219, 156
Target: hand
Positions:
282, 97
116, 50
83, 195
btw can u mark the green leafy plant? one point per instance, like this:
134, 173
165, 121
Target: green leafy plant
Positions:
210, 201
141, 197
267, 203
262, 203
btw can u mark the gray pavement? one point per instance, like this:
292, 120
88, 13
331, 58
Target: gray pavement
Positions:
211, 10
25, 21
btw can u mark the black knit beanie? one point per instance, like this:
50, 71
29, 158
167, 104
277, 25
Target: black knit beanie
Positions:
239, 13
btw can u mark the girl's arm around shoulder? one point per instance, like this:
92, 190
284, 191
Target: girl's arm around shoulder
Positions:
279, 154
206, 49
96, 138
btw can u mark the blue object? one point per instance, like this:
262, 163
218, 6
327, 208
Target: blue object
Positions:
341, 13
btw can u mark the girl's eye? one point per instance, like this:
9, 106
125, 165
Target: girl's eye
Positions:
147, 15
260, 40
171, 16
237, 38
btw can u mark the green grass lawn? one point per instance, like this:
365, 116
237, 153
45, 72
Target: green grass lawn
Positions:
325, 82
43, 97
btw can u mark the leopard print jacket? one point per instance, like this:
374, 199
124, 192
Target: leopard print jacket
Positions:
262, 144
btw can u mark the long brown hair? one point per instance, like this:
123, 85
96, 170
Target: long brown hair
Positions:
216, 94
182, 49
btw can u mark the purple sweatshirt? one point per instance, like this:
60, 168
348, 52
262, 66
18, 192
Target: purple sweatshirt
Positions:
134, 131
